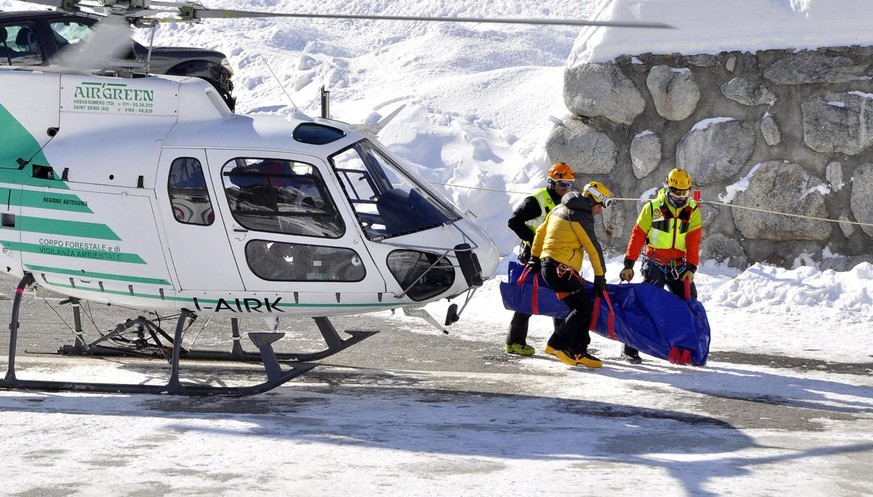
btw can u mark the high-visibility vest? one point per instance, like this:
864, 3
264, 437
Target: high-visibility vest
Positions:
546, 205
668, 230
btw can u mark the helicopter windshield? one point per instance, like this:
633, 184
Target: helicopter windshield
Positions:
387, 201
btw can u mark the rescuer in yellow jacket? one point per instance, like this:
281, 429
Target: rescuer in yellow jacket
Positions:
559, 248
670, 228
525, 220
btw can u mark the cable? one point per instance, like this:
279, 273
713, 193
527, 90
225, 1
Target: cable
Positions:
701, 202
791, 215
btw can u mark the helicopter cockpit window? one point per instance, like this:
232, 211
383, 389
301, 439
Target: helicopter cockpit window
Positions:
189, 196
19, 46
386, 201
277, 261
281, 196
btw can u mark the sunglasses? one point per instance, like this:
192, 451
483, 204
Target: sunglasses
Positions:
679, 193
565, 184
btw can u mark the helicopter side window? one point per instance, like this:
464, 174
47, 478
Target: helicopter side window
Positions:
18, 45
189, 196
281, 196
386, 201
277, 261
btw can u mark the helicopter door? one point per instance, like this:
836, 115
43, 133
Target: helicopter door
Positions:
195, 232
288, 232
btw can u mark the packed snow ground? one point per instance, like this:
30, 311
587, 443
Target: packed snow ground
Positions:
480, 100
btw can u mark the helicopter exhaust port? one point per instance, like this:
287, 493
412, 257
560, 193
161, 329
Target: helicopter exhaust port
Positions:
325, 103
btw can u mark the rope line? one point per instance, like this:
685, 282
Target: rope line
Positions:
701, 202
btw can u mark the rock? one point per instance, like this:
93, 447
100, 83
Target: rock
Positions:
593, 90
745, 92
782, 187
722, 248
807, 67
674, 91
715, 150
838, 122
645, 152
862, 192
582, 147
846, 226
770, 130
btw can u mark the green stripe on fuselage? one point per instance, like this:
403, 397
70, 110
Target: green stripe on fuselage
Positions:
98, 276
64, 228
19, 143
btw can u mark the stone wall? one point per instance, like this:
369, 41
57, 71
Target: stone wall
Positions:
781, 130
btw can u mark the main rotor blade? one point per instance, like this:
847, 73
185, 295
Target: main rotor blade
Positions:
229, 14
108, 41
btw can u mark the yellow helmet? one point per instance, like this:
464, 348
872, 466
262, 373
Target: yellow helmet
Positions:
599, 192
561, 172
679, 179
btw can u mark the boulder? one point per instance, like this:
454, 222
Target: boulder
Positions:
645, 152
862, 193
806, 67
715, 150
770, 130
674, 91
782, 187
582, 147
745, 92
834, 176
838, 122
593, 90
722, 248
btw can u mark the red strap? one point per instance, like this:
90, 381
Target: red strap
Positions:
610, 321
533, 299
594, 313
523, 276
687, 289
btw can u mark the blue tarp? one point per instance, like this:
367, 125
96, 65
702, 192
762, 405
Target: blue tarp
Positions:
648, 318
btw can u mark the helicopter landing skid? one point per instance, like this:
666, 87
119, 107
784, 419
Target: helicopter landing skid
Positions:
152, 341
276, 375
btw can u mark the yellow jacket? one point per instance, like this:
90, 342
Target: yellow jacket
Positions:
566, 235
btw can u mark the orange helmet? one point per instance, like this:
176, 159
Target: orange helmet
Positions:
561, 172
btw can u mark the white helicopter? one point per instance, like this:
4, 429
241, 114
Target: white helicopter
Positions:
149, 193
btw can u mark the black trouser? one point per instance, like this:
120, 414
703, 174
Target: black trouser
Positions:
573, 332
518, 328
662, 275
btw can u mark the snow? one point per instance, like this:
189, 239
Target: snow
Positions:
480, 100
710, 27
705, 123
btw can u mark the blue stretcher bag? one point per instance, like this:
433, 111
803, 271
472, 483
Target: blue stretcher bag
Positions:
529, 293
648, 318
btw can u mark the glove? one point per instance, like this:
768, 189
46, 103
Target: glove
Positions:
599, 285
688, 275
524, 253
534, 264
626, 274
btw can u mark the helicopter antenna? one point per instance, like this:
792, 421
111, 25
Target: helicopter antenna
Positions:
52, 132
279, 83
